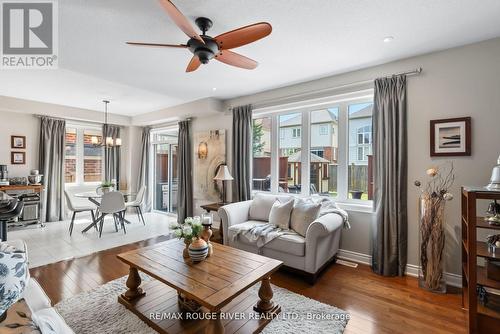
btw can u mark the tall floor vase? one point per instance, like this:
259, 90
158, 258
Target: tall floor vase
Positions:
432, 242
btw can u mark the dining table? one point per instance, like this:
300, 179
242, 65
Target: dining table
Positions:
94, 197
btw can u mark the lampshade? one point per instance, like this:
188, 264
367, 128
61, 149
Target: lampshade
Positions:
118, 142
94, 140
495, 177
223, 174
109, 141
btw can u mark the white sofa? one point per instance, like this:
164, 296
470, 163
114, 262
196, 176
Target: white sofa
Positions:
37, 300
309, 254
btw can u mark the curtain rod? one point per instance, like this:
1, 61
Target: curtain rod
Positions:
77, 120
263, 103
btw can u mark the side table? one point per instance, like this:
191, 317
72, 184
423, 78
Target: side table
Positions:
215, 207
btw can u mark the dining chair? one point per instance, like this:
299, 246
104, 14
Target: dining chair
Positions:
77, 208
137, 203
112, 203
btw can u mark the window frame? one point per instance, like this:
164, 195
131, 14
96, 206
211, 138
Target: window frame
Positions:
80, 154
341, 102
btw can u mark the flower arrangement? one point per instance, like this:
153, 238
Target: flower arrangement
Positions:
433, 197
188, 230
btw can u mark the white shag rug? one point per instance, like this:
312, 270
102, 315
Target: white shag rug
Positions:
98, 312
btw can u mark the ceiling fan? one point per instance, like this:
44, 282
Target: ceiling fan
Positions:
205, 48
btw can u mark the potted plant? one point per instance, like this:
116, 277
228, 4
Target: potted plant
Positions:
106, 186
190, 231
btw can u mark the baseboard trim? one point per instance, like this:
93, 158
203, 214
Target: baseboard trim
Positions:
411, 269
354, 257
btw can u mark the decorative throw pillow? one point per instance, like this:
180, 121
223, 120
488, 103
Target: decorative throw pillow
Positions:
13, 275
280, 214
303, 214
19, 320
261, 207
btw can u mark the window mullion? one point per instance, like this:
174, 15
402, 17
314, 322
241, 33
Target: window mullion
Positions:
306, 156
79, 156
275, 154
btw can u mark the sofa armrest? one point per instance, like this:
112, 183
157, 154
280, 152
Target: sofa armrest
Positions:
323, 226
233, 214
322, 241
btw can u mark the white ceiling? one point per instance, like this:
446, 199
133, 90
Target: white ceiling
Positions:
310, 39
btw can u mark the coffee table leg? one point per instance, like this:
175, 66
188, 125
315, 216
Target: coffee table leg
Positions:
215, 326
133, 283
265, 304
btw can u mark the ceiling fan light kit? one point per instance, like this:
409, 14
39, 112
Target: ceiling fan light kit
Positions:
205, 48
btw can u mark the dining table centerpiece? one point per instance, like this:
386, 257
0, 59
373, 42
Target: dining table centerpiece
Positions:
190, 231
434, 193
105, 187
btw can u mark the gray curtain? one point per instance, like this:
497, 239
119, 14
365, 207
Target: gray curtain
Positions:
184, 172
144, 177
390, 225
242, 154
51, 165
111, 155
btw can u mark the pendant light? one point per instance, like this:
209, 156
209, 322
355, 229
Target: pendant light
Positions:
108, 141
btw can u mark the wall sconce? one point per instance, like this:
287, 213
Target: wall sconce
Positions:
202, 150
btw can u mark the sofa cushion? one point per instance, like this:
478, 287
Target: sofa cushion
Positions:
280, 214
261, 206
233, 228
19, 320
290, 243
294, 244
303, 214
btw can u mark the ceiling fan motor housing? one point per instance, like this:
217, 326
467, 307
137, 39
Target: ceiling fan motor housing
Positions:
206, 51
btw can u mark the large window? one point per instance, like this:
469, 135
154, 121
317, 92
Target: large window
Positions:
290, 153
324, 150
360, 150
70, 156
83, 161
92, 157
164, 172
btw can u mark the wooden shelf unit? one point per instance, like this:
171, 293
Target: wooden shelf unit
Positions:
480, 318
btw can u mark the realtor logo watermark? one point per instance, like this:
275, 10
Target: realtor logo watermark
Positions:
29, 35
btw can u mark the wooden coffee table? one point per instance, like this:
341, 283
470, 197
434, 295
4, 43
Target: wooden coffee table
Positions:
218, 286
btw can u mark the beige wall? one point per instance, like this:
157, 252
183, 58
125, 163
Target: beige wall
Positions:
22, 125
464, 81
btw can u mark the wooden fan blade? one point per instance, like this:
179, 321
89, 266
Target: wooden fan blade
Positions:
155, 45
180, 20
245, 35
193, 64
235, 59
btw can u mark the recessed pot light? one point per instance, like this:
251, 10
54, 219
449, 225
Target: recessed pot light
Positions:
388, 39
214, 89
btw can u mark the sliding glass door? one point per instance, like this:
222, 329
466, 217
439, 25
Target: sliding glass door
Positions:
165, 171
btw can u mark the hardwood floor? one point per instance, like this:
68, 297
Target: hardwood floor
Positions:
376, 304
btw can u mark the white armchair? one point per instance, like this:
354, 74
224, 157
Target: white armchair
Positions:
309, 254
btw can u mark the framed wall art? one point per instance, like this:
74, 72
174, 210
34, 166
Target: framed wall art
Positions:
451, 137
17, 158
17, 141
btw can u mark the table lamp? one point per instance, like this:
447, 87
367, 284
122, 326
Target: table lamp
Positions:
223, 175
495, 177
